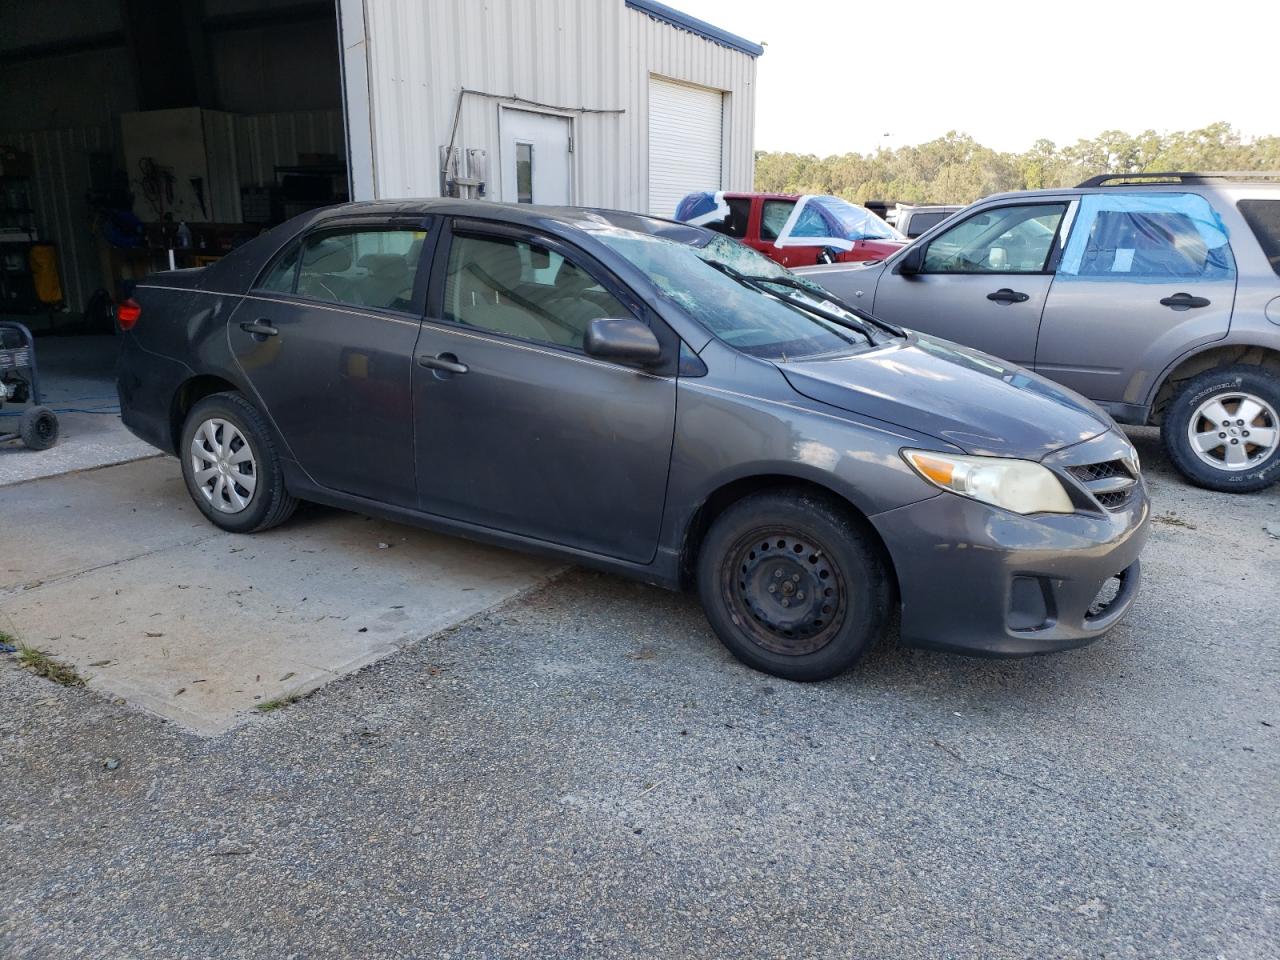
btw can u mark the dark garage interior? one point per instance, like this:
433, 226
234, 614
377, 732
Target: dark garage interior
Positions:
132, 131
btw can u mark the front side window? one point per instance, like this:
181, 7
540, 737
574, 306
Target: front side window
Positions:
521, 289
1149, 237
362, 267
774, 217
1015, 239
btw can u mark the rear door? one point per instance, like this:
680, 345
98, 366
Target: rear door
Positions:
517, 428
1143, 278
326, 341
983, 281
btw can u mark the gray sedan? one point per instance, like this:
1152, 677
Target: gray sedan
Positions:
650, 398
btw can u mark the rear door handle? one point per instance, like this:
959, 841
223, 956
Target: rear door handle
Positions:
1183, 301
1005, 295
446, 362
259, 328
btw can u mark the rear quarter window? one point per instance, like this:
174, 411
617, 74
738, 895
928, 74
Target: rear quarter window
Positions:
1263, 217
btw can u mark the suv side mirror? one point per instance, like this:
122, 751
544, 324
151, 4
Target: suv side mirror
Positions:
624, 341
912, 261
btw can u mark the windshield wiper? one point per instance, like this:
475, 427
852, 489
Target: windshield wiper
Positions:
758, 284
809, 289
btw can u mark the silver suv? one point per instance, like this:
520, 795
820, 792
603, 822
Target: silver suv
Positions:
1155, 295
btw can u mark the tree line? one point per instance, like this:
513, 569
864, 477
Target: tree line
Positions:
955, 168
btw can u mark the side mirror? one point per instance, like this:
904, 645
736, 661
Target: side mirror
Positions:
912, 261
623, 341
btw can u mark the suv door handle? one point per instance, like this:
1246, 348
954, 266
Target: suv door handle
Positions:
259, 328
1005, 295
445, 361
1183, 301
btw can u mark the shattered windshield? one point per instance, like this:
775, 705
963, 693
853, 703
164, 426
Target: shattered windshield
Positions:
700, 280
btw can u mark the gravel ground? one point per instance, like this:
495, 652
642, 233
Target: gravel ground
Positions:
585, 773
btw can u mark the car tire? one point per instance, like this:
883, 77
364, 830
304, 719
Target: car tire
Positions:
38, 428
236, 491
793, 584
1233, 464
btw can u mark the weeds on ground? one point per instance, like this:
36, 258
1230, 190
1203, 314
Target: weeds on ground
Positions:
279, 703
43, 665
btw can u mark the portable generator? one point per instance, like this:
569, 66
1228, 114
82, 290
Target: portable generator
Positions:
20, 384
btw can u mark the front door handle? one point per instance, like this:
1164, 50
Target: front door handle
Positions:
446, 362
1184, 301
1005, 295
259, 328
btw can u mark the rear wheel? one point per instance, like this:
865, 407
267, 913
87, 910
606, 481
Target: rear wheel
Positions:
231, 467
793, 585
38, 428
1222, 430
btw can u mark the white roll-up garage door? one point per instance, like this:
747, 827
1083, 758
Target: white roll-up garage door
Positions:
686, 139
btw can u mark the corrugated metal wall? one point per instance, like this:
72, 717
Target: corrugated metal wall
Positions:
568, 53
61, 162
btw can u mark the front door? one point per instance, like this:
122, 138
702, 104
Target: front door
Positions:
326, 341
1142, 278
517, 428
535, 157
983, 282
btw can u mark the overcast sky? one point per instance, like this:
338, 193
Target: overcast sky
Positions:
837, 75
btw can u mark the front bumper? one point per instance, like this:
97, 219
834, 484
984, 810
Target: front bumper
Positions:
976, 579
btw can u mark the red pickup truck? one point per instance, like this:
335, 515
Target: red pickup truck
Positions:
796, 231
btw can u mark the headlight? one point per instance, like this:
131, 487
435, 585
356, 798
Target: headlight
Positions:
1017, 485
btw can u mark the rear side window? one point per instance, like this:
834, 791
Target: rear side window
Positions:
1147, 238
737, 212
1263, 217
283, 272
361, 267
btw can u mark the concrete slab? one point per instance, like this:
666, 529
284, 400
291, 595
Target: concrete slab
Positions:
78, 381
117, 573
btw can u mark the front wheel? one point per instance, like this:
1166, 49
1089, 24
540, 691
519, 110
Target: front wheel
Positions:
1222, 430
231, 467
793, 585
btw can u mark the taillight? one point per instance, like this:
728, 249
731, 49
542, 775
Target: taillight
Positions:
127, 313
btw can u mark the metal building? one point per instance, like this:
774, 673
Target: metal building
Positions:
619, 103
139, 134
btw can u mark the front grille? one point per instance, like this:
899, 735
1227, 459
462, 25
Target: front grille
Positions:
1110, 482
1089, 472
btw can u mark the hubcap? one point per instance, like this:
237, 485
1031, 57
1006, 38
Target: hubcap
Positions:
784, 591
1234, 431
223, 466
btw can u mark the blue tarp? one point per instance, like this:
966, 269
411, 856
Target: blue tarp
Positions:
1151, 238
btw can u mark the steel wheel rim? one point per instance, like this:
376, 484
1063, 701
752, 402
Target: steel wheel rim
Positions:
1234, 431
808, 603
223, 467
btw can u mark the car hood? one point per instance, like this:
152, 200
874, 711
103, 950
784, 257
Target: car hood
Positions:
983, 405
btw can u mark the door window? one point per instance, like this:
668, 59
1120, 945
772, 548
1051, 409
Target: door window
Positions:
1152, 237
811, 224
361, 267
734, 222
1015, 239
523, 290
774, 217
